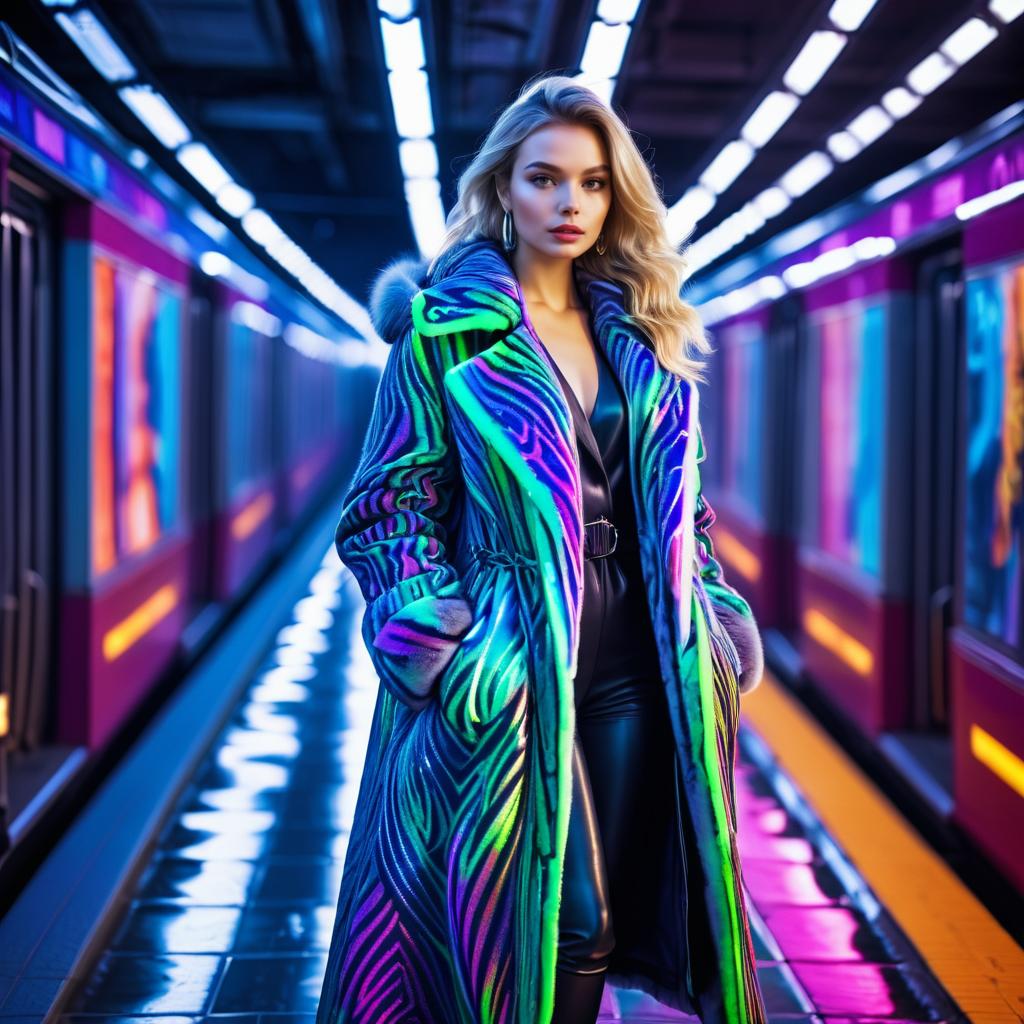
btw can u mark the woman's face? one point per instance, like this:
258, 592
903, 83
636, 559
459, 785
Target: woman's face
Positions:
560, 176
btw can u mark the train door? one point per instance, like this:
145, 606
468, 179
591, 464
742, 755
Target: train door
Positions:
925, 746
199, 441
27, 480
783, 478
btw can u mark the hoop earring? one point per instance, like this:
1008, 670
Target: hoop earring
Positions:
601, 245
508, 232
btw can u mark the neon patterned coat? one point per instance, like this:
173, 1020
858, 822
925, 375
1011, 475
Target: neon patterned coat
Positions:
448, 911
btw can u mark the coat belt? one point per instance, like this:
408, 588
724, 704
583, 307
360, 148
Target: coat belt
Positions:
600, 539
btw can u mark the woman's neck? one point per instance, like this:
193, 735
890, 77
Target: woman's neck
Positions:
545, 280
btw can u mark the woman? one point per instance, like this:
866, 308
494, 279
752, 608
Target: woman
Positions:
547, 799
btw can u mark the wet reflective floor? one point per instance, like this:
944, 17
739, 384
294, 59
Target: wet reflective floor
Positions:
232, 918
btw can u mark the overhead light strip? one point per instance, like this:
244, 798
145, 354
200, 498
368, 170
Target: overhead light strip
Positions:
818, 53
772, 287
867, 127
409, 86
605, 46
169, 128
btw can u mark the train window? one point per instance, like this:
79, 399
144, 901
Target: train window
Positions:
743, 347
851, 386
249, 441
994, 508
136, 422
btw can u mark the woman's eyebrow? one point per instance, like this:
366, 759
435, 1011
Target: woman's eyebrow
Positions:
554, 167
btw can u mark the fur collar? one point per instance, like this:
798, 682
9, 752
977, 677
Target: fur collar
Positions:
473, 282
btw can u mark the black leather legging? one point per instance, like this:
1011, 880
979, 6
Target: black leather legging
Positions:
622, 755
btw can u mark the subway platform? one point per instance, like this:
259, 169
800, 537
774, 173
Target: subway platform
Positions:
225, 914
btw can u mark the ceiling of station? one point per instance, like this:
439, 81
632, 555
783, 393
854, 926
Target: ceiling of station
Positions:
293, 99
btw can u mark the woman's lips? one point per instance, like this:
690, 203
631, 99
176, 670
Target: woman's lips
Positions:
567, 236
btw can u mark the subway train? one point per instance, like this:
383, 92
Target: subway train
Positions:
170, 409
865, 424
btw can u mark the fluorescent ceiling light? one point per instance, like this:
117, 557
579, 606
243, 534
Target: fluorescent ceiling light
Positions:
292, 258
869, 125
284, 250
403, 44
156, 114
614, 11
873, 246
805, 174
771, 114
727, 166
750, 216
214, 264
813, 60
799, 274
965, 211
969, 39
235, 200
208, 224
899, 102
419, 190
770, 287
602, 87
1006, 10
397, 9
771, 202
203, 166
604, 49
834, 260
418, 158
843, 146
256, 318
927, 76
410, 100
696, 202
849, 14
260, 227
95, 42
426, 213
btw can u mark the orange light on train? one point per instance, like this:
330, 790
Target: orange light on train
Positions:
252, 516
820, 628
738, 555
129, 630
997, 758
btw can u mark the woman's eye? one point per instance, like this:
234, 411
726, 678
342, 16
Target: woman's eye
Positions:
544, 177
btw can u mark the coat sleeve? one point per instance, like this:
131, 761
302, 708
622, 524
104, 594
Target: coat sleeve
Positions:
390, 533
731, 608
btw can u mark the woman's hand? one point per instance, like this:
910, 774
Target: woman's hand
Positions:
746, 637
415, 645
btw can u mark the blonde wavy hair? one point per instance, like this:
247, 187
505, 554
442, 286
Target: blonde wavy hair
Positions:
639, 256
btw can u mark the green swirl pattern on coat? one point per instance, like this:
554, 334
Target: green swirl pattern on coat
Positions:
449, 900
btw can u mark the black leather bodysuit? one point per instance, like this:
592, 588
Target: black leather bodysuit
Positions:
623, 750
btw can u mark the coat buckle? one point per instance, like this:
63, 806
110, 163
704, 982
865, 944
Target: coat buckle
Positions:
603, 533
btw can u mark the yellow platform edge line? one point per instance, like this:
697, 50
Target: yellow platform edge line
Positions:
977, 961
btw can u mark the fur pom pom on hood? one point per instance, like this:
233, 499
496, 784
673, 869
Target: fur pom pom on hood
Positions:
392, 292
398, 283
